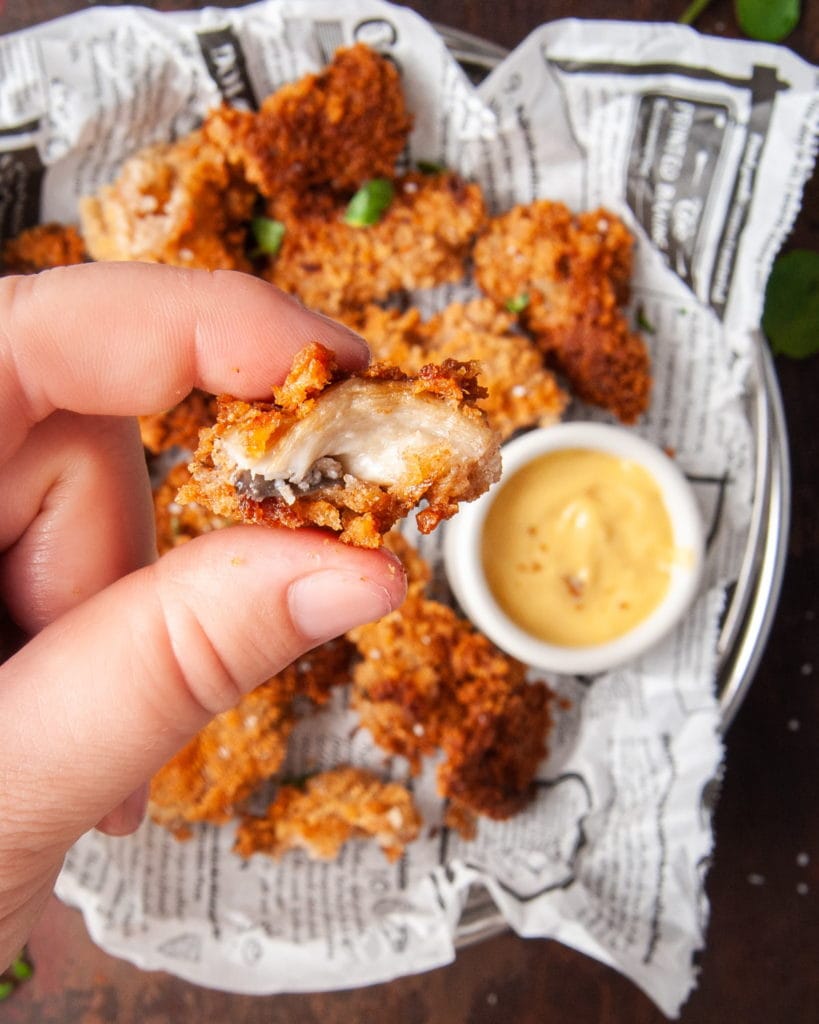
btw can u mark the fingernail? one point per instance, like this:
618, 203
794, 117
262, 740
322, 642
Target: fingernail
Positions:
328, 603
127, 817
349, 335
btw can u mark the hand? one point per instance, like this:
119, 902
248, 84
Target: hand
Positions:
128, 657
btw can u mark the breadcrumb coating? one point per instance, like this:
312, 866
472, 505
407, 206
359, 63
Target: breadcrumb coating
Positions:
224, 762
177, 524
423, 239
429, 680
180, 425
334, 129
571, 273
520, 390
179, 203
240, 748
330, 809
42, 247
352, 453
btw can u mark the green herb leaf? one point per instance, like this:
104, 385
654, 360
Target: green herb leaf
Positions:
6, 988
370, 203
269, 234
643, 323
430, 167
518, 303
791, 315
21, 969
770, 20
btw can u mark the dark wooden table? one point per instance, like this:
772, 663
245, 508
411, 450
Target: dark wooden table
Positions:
761, 965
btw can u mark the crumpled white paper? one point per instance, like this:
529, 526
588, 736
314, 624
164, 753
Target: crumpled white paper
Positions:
703, 147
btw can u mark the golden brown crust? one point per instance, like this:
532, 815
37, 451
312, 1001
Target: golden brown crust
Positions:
331, 808
428, 680
179, 426
423, 239
42, 247
177, 524
572, 273
360, 511
179, 203
240, 748
520, 390
224, 762
334, 129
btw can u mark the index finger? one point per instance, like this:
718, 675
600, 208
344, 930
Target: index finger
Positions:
133, 338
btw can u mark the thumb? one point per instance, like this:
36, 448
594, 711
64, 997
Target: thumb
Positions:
102, 697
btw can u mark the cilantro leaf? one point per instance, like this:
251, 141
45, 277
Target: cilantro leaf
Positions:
791, 315
370, 203
769, 20
268, 233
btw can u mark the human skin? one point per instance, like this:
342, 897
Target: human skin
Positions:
126, 657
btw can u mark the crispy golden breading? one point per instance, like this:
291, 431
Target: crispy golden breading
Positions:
224, 762
423, 239
333, 806
428, 680
319, 671
572, 273
178, 203
352, 453
42, 247
177, 524
334, 129
521, 391
179, 426
242, 747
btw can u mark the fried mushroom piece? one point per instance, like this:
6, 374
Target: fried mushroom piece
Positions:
179, 203
331, 808
352, 453
225, 761
180, 425
520, 390
334, 129
423, 239
570, 274
428, 680
42, 247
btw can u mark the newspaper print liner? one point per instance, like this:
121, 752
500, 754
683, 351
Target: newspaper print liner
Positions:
611, 856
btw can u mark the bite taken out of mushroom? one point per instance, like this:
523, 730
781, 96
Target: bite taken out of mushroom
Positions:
352, 453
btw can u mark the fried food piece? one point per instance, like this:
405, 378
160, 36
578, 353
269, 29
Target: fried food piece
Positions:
334, 806
179, 203
42, 247
177, 524
179, 426
242, 747
428, 680
423, 239
319, 671
571, 274
351, 453
224, 762
334, 129
521, 391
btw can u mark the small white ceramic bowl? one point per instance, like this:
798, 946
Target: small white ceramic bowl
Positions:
464, 568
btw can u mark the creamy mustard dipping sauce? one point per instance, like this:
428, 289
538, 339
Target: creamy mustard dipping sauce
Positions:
578, 547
